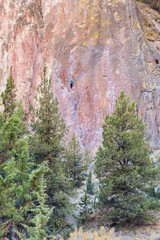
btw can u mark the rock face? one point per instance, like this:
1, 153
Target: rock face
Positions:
98, 44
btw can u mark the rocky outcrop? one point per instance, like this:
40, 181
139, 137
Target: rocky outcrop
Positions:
99, 44
149, 110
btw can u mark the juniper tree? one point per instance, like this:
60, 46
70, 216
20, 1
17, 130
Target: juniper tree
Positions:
47, 146
75, 163
124, 167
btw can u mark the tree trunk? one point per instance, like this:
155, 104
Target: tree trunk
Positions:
11, 231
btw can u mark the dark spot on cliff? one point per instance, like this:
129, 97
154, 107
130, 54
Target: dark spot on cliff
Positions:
157, 61
75, 106
49, 27
21, 21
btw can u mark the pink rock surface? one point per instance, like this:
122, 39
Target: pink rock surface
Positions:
100, 45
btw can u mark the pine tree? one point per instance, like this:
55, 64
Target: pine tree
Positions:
85, 210
75, 163
47, 146
38, 224
22, 191
9, 96
14, 163
10, 130
90, 184
49, 128
15, 190
11, 120
20, 179
124, 167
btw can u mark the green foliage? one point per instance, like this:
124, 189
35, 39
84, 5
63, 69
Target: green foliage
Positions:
11, 129
18, 184
86, 209
42, 213
47, 146
9, 96
90, 184
157, 193
124, 168
12, 123
75, 162
15, 164
15, 190
49, 128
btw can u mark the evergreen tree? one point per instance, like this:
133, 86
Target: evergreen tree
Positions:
124, 167
10, 130
20, 179
14, 163
15, 190
49, 128
22, 191
14, 127
9, 96
75, 163
11, 121
85, 205
47, 146
38, 224
90, 184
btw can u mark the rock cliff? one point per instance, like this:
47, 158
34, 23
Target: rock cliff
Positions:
101, 45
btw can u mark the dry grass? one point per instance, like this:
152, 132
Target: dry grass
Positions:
142, 233
148, 232
102, 234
